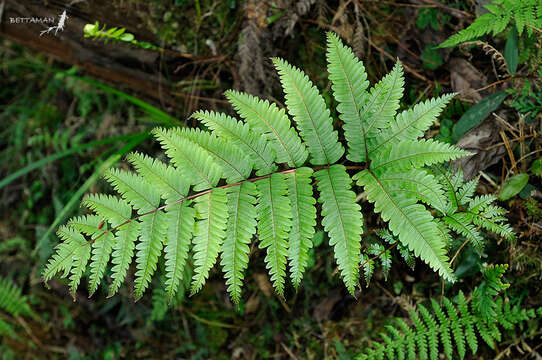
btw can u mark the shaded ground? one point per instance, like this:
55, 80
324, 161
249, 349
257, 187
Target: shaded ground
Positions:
46, 109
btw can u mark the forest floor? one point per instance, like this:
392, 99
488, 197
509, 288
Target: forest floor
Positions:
48, 108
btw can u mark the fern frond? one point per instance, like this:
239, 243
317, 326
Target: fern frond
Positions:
240, 134
123, 251
270, 121
465, 192
236, 166
93, 225
144, 198
495, 225
303, 221
187, 156
411, 222
420, 184
383, 101
87, 224
80, 257
101, 252
11, 299
479, 203
456, 327
310, 113
349, 80
410, 124
67, 253
212, 215
274, 223
181, 223
462, 224
411, 154
502, 13
481, 26
241, 227
183, 204
134, 189
483, 297
342, 221
428, 337
153, 233
169, 182
113, 209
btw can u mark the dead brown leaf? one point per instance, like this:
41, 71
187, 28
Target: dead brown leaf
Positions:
466, 78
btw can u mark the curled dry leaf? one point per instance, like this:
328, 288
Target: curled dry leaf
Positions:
466, 78
480, 140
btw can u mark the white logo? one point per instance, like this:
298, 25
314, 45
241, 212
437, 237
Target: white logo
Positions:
58, 27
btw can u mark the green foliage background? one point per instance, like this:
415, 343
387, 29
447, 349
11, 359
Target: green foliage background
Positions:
61, 130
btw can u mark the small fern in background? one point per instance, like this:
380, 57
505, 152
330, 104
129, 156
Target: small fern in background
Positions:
256, 178
13, 304
95, 32
455, 327
525, 15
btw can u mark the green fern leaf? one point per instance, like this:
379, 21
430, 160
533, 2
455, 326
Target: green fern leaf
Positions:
149, 248
465, 192
303, 221
410, 124
88, 224
470, 335
212, 215
410, 221
267, 119
101, 252
479, 203
421, 336
310, 113
383, 101
180, 219
81, 255
349, 80
409, 154
64, 257
456, 327
187, 156
135, 190
169, 182
495, 225
240, 134
102, 246
483, 296
420, 184
123, 251
481, 26
114, 210
11, 299
425, 335
461, 223
241, 228
236, 166
274, 223
342, 220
